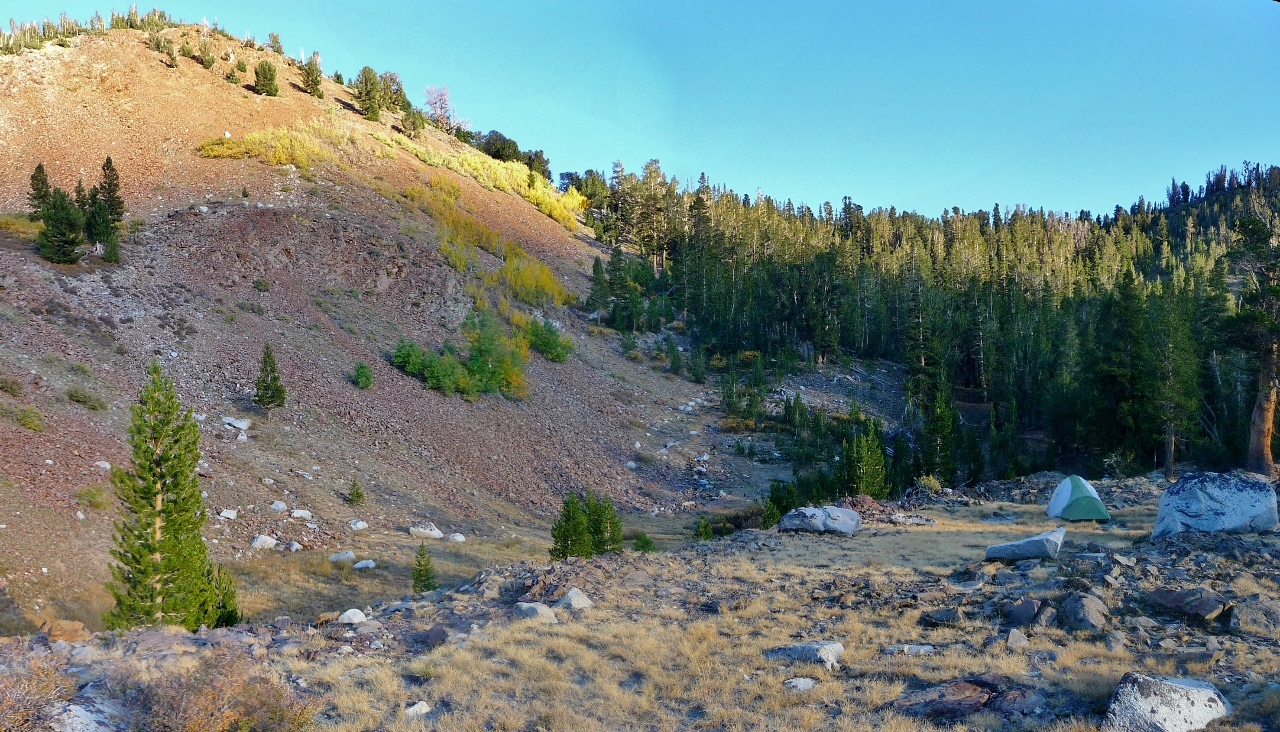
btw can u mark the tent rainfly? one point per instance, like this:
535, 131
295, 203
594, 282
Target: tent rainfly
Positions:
1075, 500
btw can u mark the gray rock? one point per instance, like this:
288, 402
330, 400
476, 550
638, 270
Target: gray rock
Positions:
1084, 612
824, 652
279, 506
1017, 640
357, 525
299, 513
574, 599
457, 538
1021, 613
352, 617
228, 514
907, 649
426, 532
827, 519
421, 709
537, 611
240, 424
263, 542
1236, 502
365, 564
1161, 704
343, 556
800, 684
294, 546
1260, 617
1040, 546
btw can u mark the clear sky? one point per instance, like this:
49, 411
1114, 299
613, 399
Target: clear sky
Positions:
922, 105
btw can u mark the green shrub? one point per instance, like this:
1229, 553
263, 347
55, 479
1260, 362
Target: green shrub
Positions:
368, 92
241, 66
362, 375
12, 387
92, 496
264, 79
23, 415
252, 307
770, 516
86, 398
273, 43
424, 574
698, 367
643, 543
546, 339
355, 496
261, 285
703, 531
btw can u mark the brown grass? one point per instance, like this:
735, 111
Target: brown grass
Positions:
28, 684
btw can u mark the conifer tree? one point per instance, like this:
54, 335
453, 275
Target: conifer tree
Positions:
162, 573
312, 76
268, 391
642, 543
264, 79
39, 195
273, 43
109, 191
81, 197
598, 300
63, 232
368, 89
355, 496
603, 524
703, 530
673, 356
570, 535
424, 574
98, 227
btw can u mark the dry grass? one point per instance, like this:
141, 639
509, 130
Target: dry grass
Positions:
28, 684
20, 225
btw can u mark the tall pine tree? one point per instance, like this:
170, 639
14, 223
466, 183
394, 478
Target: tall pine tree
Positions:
63, 233
109, 191
162, 573
570, 535
39, 195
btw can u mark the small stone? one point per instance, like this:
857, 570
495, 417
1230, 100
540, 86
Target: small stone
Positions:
352, 617
294, 546
1085, 612
421, 709
343, 556
103, 464
228, 514
1116, 640
457, 538
907, 649
1017, 640
537, 611
426, 532
263, 542
299, 513
357, 525
824, 652
800, 684
1040, 546
279, 506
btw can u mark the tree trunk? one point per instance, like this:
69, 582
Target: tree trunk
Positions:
1168, 450
1262, 425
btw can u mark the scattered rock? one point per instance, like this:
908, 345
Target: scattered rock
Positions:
294, 546
228, 514
240, 424
457, 538
421, 709
343, 556
1161, 704
103, 464
827, 519
365, 564
262, 541
800, 684
426, 532
299, 513
952, 700
1017, 640
947, 616
352, 617
1236, 502
357, 525
907, 649
1258, 616
279, 506
1021, 613
1116, 640
1084, 612
1040, 546
1198, 602
574, 599
537, 611
824, 652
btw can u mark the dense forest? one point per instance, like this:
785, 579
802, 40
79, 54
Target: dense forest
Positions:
1114, 342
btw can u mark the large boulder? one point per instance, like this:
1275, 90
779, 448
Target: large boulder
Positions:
1236, 502
262, 541
1161, 704
574, 599
827, 653
1084, 612
1258, 616
1040, 546
827, 519
536, 611
426, 532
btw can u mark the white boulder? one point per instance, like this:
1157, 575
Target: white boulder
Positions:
228, 514
800, 684
1040, 546
574, 599
261, 541
1237, 502
345, 556
457, 538
426, 532
365, 564
240, 424
1161, 704
279, 506
537, 611
357, 525
299, 513
421, 709
103, 464
824, 652
351, 617
827, 519
294, 546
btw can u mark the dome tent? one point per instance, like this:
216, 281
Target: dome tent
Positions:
1075, 500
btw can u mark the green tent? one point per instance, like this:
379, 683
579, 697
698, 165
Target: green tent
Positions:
1075, 500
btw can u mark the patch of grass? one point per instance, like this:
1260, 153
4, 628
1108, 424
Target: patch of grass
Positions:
93, 496
86, 398
302, 145
82, 368
261, 285
24, 415
252, 307
12, 387
20, 225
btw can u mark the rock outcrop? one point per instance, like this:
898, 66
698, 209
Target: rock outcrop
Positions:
1233, 502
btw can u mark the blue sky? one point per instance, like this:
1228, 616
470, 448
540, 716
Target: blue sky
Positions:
922, 105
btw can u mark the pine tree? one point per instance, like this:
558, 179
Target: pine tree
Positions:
368, 89
598, 300
312, 76
424, 574
673, 356
264, 79
273, 43
81, 197
98, 227
698, 367
268, 391
570, 535
109, 191
38, 198
603, 524
355, 496
63, 233
642, 543
703, 530
162, 573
